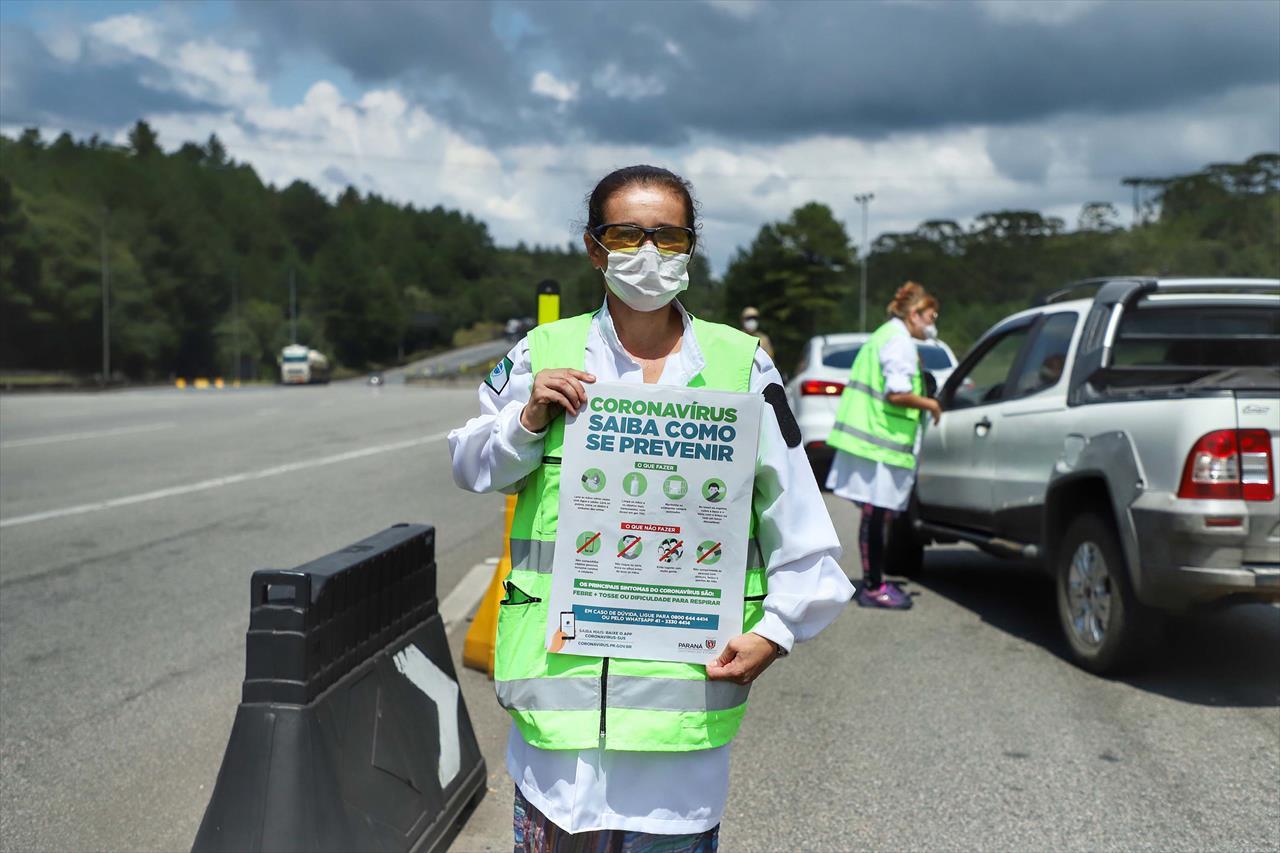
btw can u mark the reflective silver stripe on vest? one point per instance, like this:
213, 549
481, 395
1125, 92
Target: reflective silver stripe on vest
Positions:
866, 389
674, 694
532, 555
538, 555
625, 691
549, 694
876, 440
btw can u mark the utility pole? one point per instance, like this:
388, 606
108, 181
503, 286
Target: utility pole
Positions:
1139, 218
235, 319
1136, 183
863, 199
106, 303
293, 307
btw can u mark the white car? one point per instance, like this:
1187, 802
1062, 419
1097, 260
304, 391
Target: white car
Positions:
814, 391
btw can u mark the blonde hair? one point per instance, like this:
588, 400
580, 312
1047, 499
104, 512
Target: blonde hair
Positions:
911, 297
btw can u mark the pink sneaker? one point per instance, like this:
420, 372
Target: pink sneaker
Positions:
887, 596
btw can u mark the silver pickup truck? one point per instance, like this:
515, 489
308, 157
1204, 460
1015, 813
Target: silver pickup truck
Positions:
1127, 443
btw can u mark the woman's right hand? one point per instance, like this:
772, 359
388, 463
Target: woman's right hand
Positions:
554, 390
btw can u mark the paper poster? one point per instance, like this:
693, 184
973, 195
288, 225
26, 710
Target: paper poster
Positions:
655, 510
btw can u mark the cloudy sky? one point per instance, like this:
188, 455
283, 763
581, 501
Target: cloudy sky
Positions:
511, 110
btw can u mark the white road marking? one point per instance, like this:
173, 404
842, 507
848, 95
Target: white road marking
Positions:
443, 692
462, 599
218, 482
77, 436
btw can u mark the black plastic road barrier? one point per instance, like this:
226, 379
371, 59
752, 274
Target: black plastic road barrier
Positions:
351, 732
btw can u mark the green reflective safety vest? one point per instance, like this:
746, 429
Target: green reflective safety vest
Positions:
867, 424
563, 701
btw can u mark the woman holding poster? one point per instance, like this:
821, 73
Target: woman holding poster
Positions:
877, 432
614, 752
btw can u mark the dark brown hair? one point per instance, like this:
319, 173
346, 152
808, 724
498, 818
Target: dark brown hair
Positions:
911, 297
620, 179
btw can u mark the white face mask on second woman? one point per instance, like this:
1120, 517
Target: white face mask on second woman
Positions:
645, 279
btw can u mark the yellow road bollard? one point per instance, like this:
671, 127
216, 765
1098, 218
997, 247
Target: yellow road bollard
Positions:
179, 383
482, 636
218, 383
548, 302
201, 383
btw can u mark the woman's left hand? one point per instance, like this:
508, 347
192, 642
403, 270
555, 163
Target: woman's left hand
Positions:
743, 659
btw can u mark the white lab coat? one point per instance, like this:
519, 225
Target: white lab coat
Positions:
659, 792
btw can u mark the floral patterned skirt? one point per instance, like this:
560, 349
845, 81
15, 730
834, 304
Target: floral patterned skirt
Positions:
534, 833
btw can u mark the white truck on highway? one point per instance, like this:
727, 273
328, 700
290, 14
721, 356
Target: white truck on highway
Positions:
1126, 443
300, 365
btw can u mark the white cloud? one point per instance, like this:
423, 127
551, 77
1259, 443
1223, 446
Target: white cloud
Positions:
397, 149
64, 43
534, 193
385, 142
134, 34
209, 71
547, 84
202, 69
616, 83
740, 9
1048, 12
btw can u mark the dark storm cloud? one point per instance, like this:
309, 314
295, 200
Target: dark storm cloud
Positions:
779, 71
90, 94
383, 40
445, 54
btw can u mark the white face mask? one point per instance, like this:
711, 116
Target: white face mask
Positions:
751, 324
646, 280
931, 332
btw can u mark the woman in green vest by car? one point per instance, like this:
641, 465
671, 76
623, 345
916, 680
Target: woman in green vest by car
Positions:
877, 432
613, 753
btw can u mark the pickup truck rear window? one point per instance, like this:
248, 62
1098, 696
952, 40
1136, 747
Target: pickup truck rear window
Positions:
1199, 336
1196, 346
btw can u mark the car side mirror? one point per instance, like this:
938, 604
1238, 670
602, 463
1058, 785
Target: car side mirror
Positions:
930, 384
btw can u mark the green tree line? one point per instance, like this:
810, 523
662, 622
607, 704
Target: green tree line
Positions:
803, 275
200, 253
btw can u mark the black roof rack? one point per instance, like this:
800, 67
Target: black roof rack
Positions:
1089, 284
1225, 285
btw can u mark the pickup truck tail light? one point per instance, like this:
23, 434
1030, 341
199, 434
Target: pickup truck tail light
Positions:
1230, 464
821, 388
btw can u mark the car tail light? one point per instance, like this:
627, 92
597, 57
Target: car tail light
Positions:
821, 388
1257, 473
1230, 464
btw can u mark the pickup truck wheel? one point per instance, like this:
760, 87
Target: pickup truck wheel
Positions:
904, 552
1106, 627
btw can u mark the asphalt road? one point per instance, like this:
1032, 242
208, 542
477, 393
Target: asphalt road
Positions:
449, 363
129, 526
130, 522
960, 725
